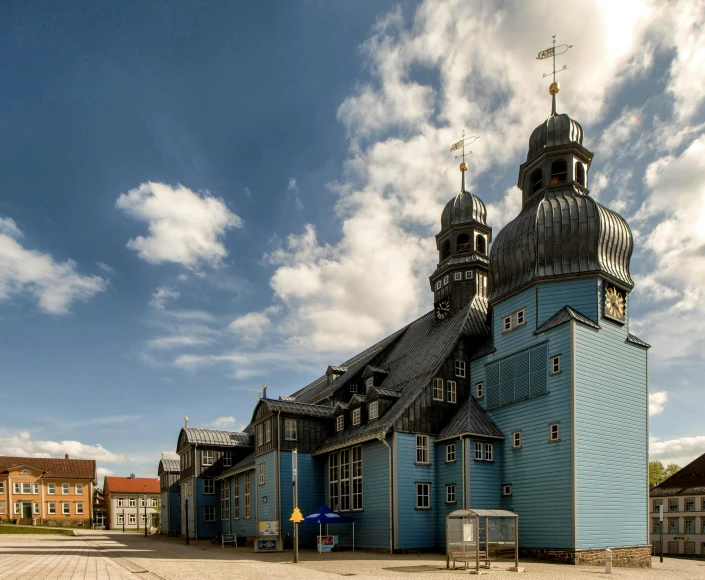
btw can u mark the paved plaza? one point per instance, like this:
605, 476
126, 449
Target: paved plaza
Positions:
116, 556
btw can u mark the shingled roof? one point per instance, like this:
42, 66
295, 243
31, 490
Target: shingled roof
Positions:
216, 437
53, 467
295, 408
168, 466
471, 419
562, 316
688, 481
412, 361
130, 485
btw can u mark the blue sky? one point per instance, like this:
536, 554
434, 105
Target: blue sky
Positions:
199, 198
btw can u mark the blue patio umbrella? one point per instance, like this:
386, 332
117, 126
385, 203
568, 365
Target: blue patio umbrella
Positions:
325, 515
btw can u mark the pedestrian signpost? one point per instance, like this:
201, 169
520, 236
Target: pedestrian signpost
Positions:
294, 517
660, 527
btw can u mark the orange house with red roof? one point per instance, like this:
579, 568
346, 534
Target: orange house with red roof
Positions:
132, 503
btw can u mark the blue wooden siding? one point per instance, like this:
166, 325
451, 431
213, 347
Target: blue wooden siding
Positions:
485, 478
447, 473
311, 495
266, 511
611, 440
242, 527
207, 529
418, 528
190, 512
171, 511
164, 499
578, 294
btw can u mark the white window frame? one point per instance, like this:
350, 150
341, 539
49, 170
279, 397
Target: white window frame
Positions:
423, 456
131, 519
131, 502
673, 501
370, 382
468, 274
353, 388
489, 452
18, 507
15, 487
65, 489
268, 431
260, 436
450, 453
35, 508
155, 502
35, 489
506, 489
423, 495
446, 280
51, 488
236, 497
26, 488
340, 422
451, 496
507, 323
208, 486
79, 508
2, 487
452, 392
481, 284
356, 416
260, 473
2, 507
520, 317
65, 508
373, 411
480, 389
143, 502
206, 457
478, 451
692, 529
357, 490
121, 502
457, 276
227, 458
556, 364
437, 389
554, 432
439, 284
657, 503
344, 477
516, 439
334, 480
25, 472
291, 430
79, 489
248, 497
209, 513
143, 517
685, 504
51, 508
121, 519
225, 500
460, 368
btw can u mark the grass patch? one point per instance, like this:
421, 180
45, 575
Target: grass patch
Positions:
13, 529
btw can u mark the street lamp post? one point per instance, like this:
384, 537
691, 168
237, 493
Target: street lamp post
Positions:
145, 516
123, 520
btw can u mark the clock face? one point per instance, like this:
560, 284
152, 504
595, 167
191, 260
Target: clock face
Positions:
614, 303
442, 309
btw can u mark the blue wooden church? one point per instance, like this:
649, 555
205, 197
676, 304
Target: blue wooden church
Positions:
521, 389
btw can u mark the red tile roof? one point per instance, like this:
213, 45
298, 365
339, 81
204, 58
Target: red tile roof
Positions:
60, 468
128, 485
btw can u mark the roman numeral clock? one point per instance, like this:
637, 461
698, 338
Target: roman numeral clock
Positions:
614, 303
442, 308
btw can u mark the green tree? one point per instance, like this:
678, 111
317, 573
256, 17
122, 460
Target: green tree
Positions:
659, 473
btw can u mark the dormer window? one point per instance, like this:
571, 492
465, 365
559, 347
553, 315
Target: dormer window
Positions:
373, 411
446, 280
457, 276
559, 171
369, 382
356, 414
439, 284
340, 422
536, 180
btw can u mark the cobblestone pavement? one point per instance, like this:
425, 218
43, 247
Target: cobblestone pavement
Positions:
116, 556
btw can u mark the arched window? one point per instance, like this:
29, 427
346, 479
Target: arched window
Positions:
445, 250
559, 171
480, 244
580, 173
464, 243
536, 180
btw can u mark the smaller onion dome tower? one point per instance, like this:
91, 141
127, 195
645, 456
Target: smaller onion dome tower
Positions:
463, 261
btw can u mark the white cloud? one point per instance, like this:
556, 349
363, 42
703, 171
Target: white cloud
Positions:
171, 455
161, 295
657, 402
103, 471
293, 190
185, 227
54, 285
24, 445
680, 451
224, 423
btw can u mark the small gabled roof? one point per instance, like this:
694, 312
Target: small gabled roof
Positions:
370, 370
294, 408
688, 481
130, 485
470, 419
53, 467
336, 369
382, 392
169, 466
340, 406
215, 437
246, 464
476, 323
356, 400
636, 340
562, 316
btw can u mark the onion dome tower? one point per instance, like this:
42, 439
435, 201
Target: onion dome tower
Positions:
561, 232
462, 245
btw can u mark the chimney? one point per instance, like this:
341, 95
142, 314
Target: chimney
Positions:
264, 391
66, 456
132, 475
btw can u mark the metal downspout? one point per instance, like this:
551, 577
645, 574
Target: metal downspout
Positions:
278, 479
391, 507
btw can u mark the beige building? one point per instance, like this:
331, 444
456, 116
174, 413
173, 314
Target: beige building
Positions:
47, 491
132, 503
683, 498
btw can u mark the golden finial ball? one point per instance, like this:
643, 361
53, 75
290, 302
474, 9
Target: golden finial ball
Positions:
463, 166
554, 88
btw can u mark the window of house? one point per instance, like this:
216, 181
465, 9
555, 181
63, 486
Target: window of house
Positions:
468, 274
422, 449
340, 422
452, 392
353, 388
260, 471
121, 502
227, 458
357, 504
65, 489
143, 502
333, 481
657, 503
290, 430
450, 453
374, 410
556, 364
554, 432
131, 519
446, 280
155, 502
143, 517
132, 502
25, 472
2, 507
478, 451
507, 323
439, 284
673, 525
247, 497
15, 487
460, 368
236, 497
437, 389
2, 487
516, 440
18, 507
35, 489
35, 509
206, 457
79, 489
656, 523
450, 493
345, 480
268, 431
559, 171
79, 508
423, 496
27, 488
209, 513
52, 508
121, 519
689, 526
480, 389
369, 382
536, 180
457, 276
507, 489
65, 508
225, 500
481, 284
520, 317
356, 416
690, 504
260, 440
209, 486
673, 504
489, 452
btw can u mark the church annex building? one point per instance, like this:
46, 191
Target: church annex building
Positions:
522, 389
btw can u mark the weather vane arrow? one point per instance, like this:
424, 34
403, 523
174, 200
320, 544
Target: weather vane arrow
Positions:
552, 52
464, 142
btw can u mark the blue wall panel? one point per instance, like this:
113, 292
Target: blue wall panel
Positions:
243, 527
207, 529
447, 473
485, 477
268, 510
578, 294
311, 495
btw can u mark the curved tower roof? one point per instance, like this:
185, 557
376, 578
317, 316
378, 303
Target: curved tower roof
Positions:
464, 208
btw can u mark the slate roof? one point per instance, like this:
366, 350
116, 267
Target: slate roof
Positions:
688, 481
476, 322
59, 468
216, 437
296, 408
169, 466
562, 316
337, 369
129, 485
636, 340
243, 465
387, 393
471, 419
412, 362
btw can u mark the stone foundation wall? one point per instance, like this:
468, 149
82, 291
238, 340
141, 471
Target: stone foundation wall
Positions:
627, 557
